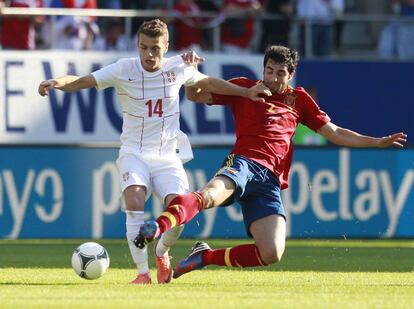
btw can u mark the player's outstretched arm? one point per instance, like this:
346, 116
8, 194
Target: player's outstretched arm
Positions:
201, 90
201, 95
220, 86
69, 83
349, 138
198, 95
396, 139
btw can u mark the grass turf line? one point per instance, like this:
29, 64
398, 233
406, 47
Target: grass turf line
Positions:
312, 274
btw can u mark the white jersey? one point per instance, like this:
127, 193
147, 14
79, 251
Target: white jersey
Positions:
150, 103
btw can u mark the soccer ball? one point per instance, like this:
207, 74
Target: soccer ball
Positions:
90, 260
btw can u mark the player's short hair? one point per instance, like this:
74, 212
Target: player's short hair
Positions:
282, 55
153, 28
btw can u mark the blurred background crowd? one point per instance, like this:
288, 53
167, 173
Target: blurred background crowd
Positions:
318, 28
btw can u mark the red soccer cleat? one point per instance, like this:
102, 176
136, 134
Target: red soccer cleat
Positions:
164, 269
142, 279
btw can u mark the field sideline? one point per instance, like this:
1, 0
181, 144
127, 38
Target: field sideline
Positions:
312, 274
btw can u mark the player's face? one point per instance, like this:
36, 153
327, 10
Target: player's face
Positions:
151, 51
276, 76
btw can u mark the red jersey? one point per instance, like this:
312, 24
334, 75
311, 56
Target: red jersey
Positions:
264, 131
18, 32
185, 34
81, 4
238, 32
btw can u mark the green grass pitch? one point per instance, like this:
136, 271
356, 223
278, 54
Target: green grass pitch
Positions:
313, 274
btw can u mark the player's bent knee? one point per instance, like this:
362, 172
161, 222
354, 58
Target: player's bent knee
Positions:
134, 197
271, 255
210, 197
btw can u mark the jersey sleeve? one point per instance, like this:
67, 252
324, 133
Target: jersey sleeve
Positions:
107, 76
220, 99
192, 76
313, 117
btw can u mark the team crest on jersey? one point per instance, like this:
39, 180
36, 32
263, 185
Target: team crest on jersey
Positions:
171, 78
290, 99
125, 176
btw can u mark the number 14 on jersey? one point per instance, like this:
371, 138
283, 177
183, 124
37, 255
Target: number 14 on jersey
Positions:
154, 108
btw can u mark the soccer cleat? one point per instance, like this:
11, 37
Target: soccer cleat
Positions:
142, 279
192, 261
164, 269
147, 232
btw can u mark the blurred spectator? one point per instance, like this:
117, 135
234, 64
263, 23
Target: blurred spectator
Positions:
18, 32
110, 4
157, 5
397, 38
187, 34
135, 21
113, 38
276, 32
237, 33
72, 4
132, 5
322, 14
75, 32
376, 7
207, 6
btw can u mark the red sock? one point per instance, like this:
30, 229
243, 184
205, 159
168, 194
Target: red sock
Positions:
239, 256
181, 210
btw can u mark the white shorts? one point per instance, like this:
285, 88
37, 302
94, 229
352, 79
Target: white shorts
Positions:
162, 176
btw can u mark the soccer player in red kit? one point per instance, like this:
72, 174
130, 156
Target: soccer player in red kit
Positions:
258, 166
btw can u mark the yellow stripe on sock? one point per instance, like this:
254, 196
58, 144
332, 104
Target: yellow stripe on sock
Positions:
227, 257
170, 217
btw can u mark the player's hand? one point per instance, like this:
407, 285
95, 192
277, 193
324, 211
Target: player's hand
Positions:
396, 139
257, 92
45, 86
192, 58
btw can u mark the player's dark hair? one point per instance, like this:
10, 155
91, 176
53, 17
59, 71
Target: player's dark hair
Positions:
153, 28
282, 55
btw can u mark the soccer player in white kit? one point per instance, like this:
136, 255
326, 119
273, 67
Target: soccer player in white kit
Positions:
151, 141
